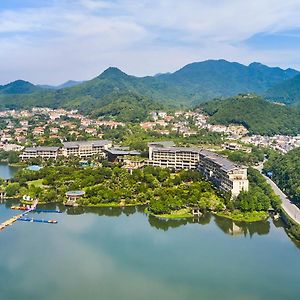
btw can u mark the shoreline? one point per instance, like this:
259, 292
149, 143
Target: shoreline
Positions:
248, 217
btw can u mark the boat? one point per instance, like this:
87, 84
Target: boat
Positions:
19, 207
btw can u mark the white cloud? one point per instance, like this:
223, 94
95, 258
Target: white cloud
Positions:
78, 39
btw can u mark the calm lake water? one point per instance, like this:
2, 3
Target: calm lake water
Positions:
6, 172
120, 254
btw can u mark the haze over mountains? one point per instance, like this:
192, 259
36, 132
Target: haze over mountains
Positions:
193, 84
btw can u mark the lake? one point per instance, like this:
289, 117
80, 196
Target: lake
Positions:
6, 171
114, 254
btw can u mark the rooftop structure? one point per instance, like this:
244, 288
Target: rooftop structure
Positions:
118, 154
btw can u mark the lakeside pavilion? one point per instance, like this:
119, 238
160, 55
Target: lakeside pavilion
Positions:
73, 196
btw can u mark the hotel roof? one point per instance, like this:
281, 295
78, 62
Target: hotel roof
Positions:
41, 148
76, 144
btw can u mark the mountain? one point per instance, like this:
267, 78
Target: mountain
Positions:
220, 78
19, 87
287, 91
257, 115
67, 84
189, 86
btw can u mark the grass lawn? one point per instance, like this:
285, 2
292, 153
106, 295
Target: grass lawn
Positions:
246, 217
176, 214
37, 183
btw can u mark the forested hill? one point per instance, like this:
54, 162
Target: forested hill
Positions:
191, 85
19, 87
220, 78
256, 114
287, 91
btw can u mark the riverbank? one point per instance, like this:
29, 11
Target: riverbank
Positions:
114, 204
236, 215
176, 214
292, 228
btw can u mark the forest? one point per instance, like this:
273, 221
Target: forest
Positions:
285, 171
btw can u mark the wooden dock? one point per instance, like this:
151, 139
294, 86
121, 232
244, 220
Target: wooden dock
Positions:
17, 217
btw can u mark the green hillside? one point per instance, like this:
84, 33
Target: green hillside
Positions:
256, 114
128, 107
286, 92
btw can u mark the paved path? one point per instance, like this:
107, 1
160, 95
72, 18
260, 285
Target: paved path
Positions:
291, 209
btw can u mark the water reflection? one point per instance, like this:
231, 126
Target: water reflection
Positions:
242, 228
166, 224
226, 225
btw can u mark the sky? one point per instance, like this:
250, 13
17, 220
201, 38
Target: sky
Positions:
52, 41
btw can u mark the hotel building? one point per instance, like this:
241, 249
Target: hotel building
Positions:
81, 149
42, 152
225, 174
85, 148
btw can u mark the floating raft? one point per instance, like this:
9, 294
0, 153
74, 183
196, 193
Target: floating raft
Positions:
48, 211
37, 221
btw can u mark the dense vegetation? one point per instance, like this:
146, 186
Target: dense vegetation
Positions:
255, 156
286, 172
127, 108
11, 157
166, 191
256, 114
190, 85
260, 196
286, 92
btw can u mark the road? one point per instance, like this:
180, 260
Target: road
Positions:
291, 209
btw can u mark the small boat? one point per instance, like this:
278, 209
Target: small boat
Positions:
52, 221
19, 207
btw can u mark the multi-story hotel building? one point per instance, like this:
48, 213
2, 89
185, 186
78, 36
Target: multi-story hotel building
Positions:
225, 174
164, 154
81, 149
42, 152
85, 148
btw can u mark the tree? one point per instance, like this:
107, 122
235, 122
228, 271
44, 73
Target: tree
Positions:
12, 189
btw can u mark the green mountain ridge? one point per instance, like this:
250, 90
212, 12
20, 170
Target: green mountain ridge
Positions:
187, 87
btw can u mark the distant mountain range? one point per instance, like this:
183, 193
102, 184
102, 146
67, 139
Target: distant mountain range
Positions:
67, 84
193, 84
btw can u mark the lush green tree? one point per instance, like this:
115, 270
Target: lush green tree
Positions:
12, 189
